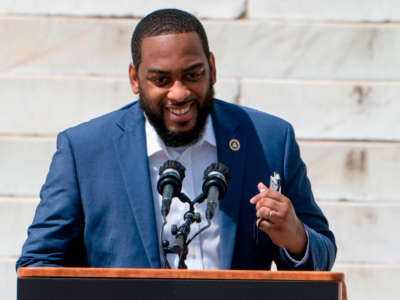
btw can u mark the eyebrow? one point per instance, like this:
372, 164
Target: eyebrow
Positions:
190, 68
194, 66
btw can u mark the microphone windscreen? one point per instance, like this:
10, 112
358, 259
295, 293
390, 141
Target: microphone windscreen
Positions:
217, 167
173, 164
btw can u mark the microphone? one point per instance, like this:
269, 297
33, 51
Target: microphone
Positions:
169, 184
215, 179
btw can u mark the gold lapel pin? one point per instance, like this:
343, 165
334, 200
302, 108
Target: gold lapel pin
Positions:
234, 144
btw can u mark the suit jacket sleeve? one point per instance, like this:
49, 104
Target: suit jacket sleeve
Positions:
55, 236
296, 186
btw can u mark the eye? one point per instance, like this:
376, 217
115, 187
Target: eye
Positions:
160, 81
194, 75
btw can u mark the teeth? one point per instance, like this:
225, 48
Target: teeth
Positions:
180, 111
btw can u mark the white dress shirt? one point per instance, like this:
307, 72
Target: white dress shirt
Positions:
204, 249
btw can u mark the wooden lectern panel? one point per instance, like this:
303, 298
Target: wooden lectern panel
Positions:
170, 283
174, 273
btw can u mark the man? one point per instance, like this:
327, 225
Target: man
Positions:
100, 206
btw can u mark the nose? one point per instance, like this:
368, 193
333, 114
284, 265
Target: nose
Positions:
178, 91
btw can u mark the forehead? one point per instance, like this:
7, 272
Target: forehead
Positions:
172, 50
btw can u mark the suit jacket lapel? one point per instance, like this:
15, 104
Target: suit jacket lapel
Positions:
231, 148
131, 149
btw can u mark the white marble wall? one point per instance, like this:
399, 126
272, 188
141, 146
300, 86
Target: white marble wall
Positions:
330, 68
317, 51
226, 9
325, 10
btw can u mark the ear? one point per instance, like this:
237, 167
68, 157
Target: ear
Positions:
213, 70
133, 79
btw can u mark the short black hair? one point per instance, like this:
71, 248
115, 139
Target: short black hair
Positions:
165, 21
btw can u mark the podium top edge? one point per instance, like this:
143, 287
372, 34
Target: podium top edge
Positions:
26, 272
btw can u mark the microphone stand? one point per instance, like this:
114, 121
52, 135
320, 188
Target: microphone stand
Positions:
214, 186
181, 233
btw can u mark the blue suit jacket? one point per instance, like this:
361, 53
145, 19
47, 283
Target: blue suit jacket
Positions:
96, 205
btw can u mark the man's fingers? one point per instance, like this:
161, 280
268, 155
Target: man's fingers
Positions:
271, 194
262, 187
268, 202
266, 213
265, 224
258, 221
256, 198
265, 193
262, 223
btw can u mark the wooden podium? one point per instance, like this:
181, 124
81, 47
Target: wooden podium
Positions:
122, 284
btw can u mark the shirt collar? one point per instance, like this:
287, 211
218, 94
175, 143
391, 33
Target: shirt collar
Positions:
155, 144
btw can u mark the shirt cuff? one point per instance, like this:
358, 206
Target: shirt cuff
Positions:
298, 263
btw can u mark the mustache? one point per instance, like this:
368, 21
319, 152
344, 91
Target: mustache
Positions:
180, 103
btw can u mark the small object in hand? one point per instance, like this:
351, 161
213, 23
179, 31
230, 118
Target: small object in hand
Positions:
258, 222
275, 182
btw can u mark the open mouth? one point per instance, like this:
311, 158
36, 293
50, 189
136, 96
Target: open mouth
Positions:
180, 113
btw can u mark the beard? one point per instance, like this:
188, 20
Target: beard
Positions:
173, 138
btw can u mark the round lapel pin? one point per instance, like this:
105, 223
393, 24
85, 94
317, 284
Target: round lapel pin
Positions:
234, 144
